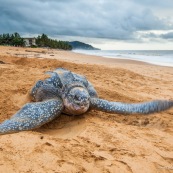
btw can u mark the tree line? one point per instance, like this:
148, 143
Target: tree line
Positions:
44, 41
11, 39
41, 41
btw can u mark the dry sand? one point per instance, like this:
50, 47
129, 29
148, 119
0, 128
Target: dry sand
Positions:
96, 141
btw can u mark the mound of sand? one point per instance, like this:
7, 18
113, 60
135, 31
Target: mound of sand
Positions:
95, 141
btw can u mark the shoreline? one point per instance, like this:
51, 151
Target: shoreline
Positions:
124, 57
69, 56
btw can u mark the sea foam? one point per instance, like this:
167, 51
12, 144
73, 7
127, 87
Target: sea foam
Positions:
157, 57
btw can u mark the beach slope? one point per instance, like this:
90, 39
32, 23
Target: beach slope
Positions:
96, 141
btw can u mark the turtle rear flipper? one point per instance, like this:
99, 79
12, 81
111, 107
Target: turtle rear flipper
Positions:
32, 116
134, 108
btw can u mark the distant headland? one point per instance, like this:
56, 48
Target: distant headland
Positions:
81, 45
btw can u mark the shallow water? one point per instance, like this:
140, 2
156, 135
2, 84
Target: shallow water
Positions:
157, 57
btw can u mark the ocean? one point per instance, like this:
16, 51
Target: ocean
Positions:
157, 57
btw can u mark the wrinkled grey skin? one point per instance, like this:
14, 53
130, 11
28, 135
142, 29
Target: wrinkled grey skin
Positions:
72, 94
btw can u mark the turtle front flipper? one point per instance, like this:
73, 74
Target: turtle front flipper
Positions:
32, 116
135, 108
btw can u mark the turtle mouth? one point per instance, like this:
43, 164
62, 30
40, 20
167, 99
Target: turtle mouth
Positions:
81, 107
75, 109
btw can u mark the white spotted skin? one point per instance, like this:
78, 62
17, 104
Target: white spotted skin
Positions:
134, 108
32, 116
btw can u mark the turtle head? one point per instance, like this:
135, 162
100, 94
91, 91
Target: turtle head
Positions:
77, 101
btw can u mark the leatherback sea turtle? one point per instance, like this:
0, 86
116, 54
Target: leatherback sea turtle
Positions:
72, 94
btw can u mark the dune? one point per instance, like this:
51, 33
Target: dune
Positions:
96, 141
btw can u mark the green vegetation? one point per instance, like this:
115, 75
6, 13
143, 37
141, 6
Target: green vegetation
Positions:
41, 41
81, 45
44, 41
11, 40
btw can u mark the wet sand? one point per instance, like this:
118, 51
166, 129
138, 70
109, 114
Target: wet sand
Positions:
95, 141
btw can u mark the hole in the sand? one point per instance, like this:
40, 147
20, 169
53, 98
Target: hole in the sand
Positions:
48, 144
65, 126
2, 62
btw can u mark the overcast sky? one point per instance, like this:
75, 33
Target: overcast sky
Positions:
107, 24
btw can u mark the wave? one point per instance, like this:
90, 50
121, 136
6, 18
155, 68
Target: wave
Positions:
157, 57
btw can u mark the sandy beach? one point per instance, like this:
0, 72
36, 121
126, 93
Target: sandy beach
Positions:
96, 141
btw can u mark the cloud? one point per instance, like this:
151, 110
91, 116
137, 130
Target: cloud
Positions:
156, 3
92, 18
168, 35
